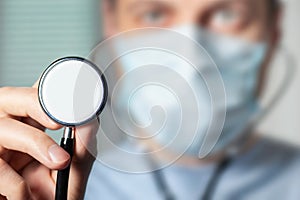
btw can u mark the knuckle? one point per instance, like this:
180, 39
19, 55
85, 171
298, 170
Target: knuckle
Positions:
3, 115
4, 121
32, 102
3, 169
35, 140
2, 165
33, 93
2, 150
5, 90
22, 189
40, 139
22, 186
32, 96
3, 93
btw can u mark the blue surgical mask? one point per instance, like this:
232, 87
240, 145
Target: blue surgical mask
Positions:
238, 62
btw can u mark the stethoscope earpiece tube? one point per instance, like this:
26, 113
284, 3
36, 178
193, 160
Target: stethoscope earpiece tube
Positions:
62, 181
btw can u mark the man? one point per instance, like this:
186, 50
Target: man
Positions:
262, 170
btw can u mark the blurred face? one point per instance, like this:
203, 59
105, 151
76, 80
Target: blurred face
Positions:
252, 20
248, 19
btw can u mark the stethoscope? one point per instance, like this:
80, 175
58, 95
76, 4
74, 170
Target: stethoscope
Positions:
72, 91
162, 185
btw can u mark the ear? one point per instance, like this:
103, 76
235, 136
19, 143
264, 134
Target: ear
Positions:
109, 18
277, 27
274, 41
275, 33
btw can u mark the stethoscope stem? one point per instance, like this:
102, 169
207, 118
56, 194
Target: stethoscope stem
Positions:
62, 181
69, 133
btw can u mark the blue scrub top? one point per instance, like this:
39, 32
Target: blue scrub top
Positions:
270, 170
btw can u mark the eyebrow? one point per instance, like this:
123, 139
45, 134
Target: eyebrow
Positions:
158, 3
218, 3
170, 4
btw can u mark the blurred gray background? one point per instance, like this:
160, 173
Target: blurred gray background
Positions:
34, 33
283, 122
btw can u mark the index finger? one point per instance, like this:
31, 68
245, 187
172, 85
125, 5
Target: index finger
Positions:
23, 102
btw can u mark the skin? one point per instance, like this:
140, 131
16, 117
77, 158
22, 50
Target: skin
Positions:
28, 171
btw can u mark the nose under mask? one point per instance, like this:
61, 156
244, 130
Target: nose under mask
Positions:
156, 111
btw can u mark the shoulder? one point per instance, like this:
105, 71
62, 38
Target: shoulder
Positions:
112, 177
113, 184
275, 152
269, 153
268, 161
264, 172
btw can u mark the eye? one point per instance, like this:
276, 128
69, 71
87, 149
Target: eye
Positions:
225, 19
153, 18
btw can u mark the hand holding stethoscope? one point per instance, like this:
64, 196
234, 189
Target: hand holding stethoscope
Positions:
29, 158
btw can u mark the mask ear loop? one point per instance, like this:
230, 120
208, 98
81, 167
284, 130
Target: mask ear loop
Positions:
240, 142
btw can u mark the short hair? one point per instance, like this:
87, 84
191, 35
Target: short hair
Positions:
273, 5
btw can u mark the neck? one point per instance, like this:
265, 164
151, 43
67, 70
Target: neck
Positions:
165, 156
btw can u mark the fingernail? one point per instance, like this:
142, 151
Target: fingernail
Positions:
57, 154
